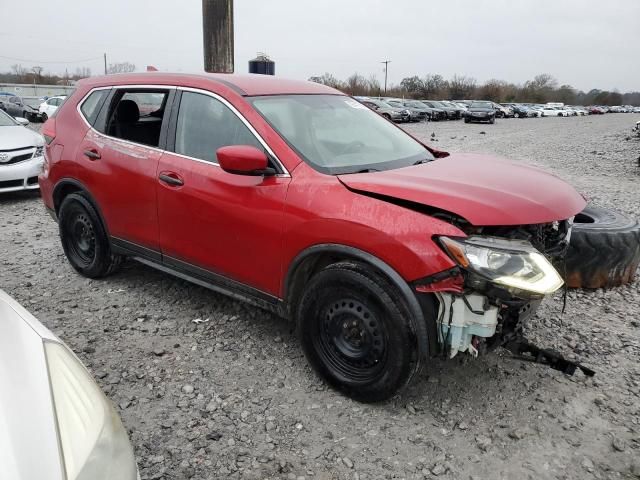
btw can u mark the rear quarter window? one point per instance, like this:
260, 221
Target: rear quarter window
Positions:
90, 107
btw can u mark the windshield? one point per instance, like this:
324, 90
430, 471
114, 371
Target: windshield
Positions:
416, 104
335, 134
437, 104
32, 102
6, 120
481, 105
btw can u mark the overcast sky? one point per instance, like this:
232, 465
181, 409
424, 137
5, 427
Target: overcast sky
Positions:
585, 43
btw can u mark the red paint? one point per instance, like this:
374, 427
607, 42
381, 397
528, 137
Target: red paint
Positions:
450, 284
482, 189
251, 228
241, 158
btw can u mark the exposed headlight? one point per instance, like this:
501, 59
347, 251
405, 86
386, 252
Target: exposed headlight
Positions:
39, 152
511, 263
94, 442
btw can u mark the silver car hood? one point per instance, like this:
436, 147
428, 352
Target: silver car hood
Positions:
17, 136
28, 439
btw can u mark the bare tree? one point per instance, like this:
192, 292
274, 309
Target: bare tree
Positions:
81, 72
37, 73
328, 80
122, 67
461, 87
19, 73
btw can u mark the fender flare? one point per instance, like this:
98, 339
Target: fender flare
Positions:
63, 182
392, 275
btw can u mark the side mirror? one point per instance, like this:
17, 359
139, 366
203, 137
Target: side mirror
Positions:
244, 160
22, 121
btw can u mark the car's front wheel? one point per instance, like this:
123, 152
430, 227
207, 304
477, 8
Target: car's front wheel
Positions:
44, 117
84, 238
356, 332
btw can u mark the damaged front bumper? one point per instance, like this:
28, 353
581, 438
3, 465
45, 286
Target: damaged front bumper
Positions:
479, 309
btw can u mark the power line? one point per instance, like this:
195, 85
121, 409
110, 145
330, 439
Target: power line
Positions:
49, 61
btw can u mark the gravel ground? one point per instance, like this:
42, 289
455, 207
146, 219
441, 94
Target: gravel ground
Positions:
212, 388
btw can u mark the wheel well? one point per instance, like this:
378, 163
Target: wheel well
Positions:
306, 269
61, 192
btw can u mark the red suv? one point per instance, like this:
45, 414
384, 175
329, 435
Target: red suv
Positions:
293, 196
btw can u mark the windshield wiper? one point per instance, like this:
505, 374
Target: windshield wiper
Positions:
420, 162
367, 170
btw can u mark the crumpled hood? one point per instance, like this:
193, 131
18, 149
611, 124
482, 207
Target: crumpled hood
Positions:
482, 189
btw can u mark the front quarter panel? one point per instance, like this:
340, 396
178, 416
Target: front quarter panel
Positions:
321, 210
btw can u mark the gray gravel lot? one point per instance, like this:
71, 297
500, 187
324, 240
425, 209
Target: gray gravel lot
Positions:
212, 388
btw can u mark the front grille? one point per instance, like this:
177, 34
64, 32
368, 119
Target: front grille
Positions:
18, 159
11, 157
11, 184
548, 238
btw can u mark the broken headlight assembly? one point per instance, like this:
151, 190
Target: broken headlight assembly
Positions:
512, 264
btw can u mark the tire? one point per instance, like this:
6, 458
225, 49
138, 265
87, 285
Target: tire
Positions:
84, 239
387, 116
357, 333
516, 115
492, 121
466, 120
44, 117
604, 250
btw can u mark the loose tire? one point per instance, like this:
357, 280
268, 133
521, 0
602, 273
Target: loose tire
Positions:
357, 333
84, 238
604, 250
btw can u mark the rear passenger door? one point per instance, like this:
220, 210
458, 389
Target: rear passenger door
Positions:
119, 159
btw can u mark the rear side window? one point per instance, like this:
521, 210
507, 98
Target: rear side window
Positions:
205, 124
136, 115
91, 106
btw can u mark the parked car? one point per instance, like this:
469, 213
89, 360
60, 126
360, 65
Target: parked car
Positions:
21, 155
416, 114
520, 111
480, 112
595, 110
550, 111
56, 422
386, 110
459, 109
431, 113
297, 198
435, 114
502, 111
49, 106
25, 107
452, 113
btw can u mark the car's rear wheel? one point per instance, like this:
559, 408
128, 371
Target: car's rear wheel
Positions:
84, 238
356, 332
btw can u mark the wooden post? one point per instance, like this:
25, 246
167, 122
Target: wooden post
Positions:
217, 32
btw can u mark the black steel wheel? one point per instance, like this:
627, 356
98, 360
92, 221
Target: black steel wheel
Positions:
357, 332
84, 238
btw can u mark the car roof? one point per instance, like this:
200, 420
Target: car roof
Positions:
243, 84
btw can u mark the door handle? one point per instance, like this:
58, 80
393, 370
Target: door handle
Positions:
92, 154
171, 179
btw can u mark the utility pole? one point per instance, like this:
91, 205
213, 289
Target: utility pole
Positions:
386, 72
217, 34
105, 63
